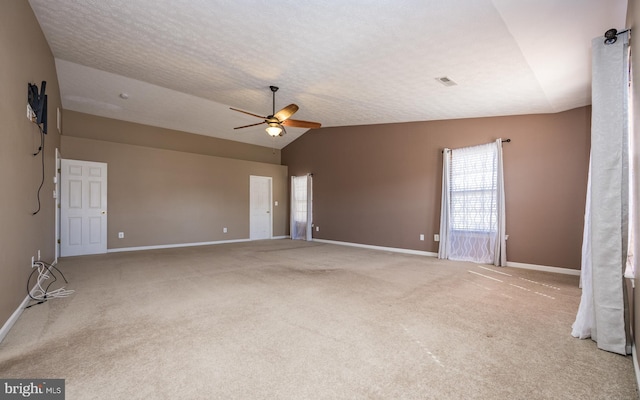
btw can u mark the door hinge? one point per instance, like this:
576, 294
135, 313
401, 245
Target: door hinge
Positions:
58, 241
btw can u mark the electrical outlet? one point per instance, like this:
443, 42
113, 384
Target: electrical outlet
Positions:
38, 255
422, 236
436, 238
33, 261
120, 235
224, 230
317, 229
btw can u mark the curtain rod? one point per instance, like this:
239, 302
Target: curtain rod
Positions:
503, 141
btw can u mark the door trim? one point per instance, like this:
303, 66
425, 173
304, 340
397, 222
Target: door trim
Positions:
57, 204
270, 210
87, 212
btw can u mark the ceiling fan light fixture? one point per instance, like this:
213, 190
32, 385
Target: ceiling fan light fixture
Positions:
276, 121
274, 129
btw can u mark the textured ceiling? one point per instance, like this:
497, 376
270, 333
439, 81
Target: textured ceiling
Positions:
183, 63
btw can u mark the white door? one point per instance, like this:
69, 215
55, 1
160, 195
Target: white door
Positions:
83, 208
260, 220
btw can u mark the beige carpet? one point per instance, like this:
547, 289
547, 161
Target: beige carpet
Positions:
286, 319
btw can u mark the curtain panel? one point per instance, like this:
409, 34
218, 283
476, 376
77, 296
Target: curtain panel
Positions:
301, 207
472, 222
603, 311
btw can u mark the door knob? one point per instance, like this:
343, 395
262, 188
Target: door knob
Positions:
103, 212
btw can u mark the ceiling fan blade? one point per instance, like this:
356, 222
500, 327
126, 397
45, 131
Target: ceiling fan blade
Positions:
295, 123
286, 112
246, 126
248, 113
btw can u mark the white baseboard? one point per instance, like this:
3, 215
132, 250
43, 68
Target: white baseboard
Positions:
171, 246
371, 247
557, 270
534, 267
4, 331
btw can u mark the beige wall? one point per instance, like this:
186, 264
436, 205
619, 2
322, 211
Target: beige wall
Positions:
113, 130
380, 184
164, 197
25, 57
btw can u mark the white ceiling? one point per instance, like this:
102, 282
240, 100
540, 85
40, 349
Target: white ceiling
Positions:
183, 63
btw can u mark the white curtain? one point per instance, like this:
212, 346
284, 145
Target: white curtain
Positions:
445, 205
472, 217
630, 269
602, 311
301, 207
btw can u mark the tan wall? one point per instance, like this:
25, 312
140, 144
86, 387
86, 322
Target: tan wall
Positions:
25, 57
380, 184
164, 197
113, 130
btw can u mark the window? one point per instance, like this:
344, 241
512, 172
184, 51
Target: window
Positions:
301, 207
473, 189
299, 188
472, 223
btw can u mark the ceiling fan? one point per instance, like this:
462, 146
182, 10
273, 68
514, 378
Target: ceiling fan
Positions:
278, 120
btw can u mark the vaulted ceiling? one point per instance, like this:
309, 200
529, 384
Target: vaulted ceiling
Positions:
183, 63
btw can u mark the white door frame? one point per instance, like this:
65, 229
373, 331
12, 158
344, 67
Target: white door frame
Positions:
89, 212
56, 199
269, 209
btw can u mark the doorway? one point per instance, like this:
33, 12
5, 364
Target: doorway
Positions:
260, 212
83, 208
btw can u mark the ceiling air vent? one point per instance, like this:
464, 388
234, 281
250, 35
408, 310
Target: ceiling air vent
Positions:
445, 80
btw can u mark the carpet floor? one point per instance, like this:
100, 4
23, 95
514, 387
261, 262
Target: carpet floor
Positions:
284, 319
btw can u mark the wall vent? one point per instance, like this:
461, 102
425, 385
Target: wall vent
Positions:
445, 80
